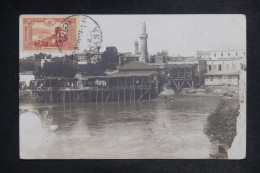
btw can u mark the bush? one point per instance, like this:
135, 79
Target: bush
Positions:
221, 124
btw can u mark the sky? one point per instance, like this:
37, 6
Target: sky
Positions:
178, 34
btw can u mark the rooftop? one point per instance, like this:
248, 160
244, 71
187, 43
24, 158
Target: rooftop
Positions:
137, 65
220, 73
180, 65
122, 74
26, 73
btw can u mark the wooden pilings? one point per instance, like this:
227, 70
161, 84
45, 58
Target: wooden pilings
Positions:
121, 89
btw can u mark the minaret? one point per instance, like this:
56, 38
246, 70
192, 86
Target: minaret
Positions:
136, 48
143, 37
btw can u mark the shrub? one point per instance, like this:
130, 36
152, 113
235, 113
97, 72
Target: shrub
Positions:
221, 124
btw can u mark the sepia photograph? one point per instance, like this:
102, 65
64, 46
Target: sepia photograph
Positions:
132, 86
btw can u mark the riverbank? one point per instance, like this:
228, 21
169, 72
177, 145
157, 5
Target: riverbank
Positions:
227, 92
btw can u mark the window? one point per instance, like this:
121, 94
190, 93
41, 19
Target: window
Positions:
227, 66
211, 78
210, 67
219, 67
221, 54
215, 54
244, 53
236, 53
234, 66
228, 54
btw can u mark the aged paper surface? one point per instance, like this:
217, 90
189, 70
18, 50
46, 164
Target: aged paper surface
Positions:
132, 86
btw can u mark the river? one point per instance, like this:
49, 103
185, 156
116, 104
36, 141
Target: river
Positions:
123, 130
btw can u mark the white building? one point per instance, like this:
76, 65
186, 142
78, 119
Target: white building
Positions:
224, 71
84, 58
26, 77
224, 64
213, 55
222, 78
45, 60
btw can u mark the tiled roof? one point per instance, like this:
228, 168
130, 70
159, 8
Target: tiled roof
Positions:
123, 74
137, 65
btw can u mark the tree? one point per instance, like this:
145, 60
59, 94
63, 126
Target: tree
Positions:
92, 69
38, 72
221, 124
26, 66
163, 52
60, 67
152, 58
42, 56
110, 58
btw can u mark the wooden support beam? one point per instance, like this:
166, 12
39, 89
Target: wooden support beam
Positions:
78, 97
124, 94
97, 95
124, 89
189, 84
118, 95
134, 87
102, 95
143, 94
182, 84
69, 96
142, 85
133, 83
117, 83
175, 84
46, 97
125, 83
108, 95
150, 82
89, 95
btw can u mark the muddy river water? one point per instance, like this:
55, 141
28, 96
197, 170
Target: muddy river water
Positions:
147, 129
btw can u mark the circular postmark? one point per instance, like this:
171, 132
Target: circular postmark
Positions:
79, 34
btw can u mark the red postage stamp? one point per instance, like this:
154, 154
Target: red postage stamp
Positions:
48, 33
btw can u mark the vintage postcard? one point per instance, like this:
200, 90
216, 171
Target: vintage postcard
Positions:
132, 86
